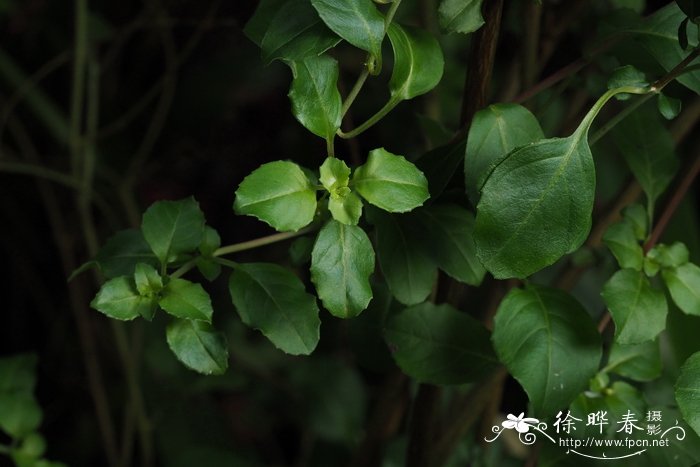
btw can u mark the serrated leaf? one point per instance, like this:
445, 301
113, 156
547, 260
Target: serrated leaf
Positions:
494, 133
437, 344
172, 228
198, 346
648, 149
669, 107
536, 330
390, 182
687, 391
316, 102
211, 241
147, 280
295, 33
279, 194
683, 283
403, 257
640, 362
357, 21
418, 62
460, 15
187, 300
334, 174
345, 206
341, 263
273, 300
449, 237
119, 299
622, 241
122, 252
638, 310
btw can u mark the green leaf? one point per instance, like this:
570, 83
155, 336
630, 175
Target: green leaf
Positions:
640, 362
278, 193
148, 281
683, 283
258, 24
403, 257
638, 309
345, 206
449, 239
418, 62
440, 164
341, 263
495, 132
536, 331
33, 446
437, 344
314, 94
626, 76
460, 15
669, 256
300, 250
119, 299
334, 174
198, 346
188, 300
357, 21
616, 401
390, 182
172, 228
648, 149
669, 107
273, 300
295, 33
18, 373
122, 252
687, 390
211, 241
636, 215
209, 268
20, 414
622, 241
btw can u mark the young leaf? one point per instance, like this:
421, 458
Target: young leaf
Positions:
403, 257
187, 300
536, 330
314, 94
357, 21
648, 149
622, 241
341, 262
636, 215
334, 174
638, 309
418, 62
460, 15
295, 33
683, 283
210, 242
273, 300
198, 346
640, 362
119, 299
686, 391
669, 107
390, 182
669, 256
173, 227
495, 132
345, 206
122, 252
148, 281
437, 344
278, 193
449, 238
209, 268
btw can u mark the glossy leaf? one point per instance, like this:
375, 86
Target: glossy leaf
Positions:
198, 346
640, 362
334, 174
273, 300
357, 21
536, 331
173, 227
638, 309
390, 182
314, 94
494, 133
460, 15
122, 252
669, 107
687, 389
683, 283
449, 238
119, 299
295, 33
648, 149
418, 62
622, 241
341, 263
188, 300
439, 345
403, 257
278, 193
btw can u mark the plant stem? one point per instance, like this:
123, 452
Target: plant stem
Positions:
610, 124
390, 14
354, 91
393, 102
258, 242
330, 150
226, 262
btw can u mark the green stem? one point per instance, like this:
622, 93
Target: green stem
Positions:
226, 262
258, 242
588, 119
393, 102
354, 91
330, 149
602, 131
390, 14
